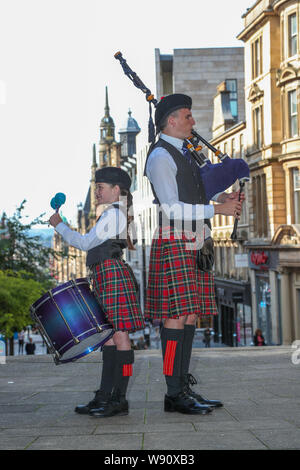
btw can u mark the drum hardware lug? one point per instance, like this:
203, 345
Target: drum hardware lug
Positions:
76, 340
99, 329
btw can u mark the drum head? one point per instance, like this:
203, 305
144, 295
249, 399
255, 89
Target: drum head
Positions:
86, 346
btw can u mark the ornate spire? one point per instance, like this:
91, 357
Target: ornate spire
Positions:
107, 125
106, 109
94, 164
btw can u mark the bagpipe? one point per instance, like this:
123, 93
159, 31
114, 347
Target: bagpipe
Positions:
216, 177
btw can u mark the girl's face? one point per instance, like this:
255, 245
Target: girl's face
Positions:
106, 193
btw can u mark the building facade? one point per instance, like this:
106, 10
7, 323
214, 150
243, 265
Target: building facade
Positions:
272, 90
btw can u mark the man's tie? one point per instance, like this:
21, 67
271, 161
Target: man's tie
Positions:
186, 153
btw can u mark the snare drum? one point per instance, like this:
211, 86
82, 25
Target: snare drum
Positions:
71, 321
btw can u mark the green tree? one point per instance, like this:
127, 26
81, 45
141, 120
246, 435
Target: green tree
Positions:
21, 252
18, 291
24, 271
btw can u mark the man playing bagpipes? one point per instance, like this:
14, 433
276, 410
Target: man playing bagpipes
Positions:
181, 284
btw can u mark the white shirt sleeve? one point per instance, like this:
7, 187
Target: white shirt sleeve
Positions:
111, 223
161, 171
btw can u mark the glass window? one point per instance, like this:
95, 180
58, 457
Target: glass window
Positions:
242, 148
231, 85
233, 148
296, 188
257, 125
293, 113
257, 57
293, 34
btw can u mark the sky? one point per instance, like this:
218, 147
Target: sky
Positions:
57, 56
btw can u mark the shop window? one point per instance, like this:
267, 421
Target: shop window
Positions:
293, 113
263, 296
293, 34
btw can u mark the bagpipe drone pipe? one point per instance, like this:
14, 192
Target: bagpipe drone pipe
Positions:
216, 177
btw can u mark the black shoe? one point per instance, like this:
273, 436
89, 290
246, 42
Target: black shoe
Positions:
184, 403
84, 409
189, 379
110, 408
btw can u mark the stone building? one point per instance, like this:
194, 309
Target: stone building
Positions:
198, 72
111, 153
233, 326
257, 277
272, 90
246, 102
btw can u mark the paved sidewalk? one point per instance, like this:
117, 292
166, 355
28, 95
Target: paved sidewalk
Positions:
260, 389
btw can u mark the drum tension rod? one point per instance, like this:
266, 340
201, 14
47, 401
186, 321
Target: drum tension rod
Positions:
98, 327
44, 334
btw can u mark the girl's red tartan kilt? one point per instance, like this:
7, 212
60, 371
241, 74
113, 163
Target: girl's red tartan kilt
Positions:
114, 287
176, 286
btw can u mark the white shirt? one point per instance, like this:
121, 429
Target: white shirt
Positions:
111, 223
161, 171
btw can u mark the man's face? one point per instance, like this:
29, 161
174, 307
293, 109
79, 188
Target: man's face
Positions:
182, 123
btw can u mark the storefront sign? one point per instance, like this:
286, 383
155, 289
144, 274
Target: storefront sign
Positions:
237, 297
259, 259
241, 261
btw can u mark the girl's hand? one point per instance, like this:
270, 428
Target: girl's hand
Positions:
55, 219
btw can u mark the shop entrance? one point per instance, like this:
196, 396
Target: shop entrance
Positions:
263, 296
227, 325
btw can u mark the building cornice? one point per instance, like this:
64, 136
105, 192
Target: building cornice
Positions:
256, 24
233, 130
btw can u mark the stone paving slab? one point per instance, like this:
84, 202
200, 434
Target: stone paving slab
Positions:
259, 387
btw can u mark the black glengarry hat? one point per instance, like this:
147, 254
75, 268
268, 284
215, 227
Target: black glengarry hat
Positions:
113, 175
169, 104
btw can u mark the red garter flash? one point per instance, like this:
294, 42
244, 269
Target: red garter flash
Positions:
169, 357
127, 370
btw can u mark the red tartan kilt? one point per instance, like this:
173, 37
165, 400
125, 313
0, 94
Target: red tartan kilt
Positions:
114, 287
176, 286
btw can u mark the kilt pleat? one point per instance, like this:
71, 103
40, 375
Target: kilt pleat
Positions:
114, 286
176, 286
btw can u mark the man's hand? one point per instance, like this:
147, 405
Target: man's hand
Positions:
55, 219
230, 207
224, 197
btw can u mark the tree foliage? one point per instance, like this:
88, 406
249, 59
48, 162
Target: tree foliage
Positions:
24, 270
21, 252
18, 291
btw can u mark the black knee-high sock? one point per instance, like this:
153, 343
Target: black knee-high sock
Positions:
172, 341
189, 333
123, 372
108, 368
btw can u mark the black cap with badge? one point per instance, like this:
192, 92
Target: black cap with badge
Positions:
113, 175
169, 104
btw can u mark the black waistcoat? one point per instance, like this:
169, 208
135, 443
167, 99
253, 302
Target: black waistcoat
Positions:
110, 249
190, 186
